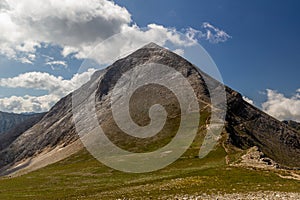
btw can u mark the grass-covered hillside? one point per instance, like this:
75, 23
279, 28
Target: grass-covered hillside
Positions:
82, 177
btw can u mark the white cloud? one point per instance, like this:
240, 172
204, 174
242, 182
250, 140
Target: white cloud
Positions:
179, 52
213, 34
282, 107
31, 56
133, 37
208, 32
28, 103
248, 100
57, 88
57, 63
25, 60
77, 26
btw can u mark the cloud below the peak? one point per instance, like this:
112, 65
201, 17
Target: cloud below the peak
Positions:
56, 87
250, 101
282, 107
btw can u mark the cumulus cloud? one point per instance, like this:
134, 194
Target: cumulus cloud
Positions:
133, 37
282, 107
248, 100
18, 104
57, 87
77, 26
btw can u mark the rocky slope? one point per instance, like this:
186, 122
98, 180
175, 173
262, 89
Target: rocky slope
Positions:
249, 196
246, 126
293, 124
55, 129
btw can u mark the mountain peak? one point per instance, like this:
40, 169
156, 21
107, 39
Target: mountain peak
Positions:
245, 127
153, 45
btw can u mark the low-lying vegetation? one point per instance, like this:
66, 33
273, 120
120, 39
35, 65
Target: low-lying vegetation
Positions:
83, 177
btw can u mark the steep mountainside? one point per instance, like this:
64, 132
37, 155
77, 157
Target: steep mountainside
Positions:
246, 126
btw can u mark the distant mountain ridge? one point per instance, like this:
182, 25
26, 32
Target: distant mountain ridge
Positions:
8, 136
10, 120
245, 127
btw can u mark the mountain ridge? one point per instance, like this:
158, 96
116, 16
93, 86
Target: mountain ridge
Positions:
9, 120
7, 137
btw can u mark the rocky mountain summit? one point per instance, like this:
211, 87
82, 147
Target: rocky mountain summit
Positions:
245, 127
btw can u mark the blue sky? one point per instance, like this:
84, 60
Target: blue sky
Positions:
260, 58
265, 45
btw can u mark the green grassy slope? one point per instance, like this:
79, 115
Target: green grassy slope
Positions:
82, 177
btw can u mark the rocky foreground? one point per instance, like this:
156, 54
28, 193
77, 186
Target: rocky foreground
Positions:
263, 195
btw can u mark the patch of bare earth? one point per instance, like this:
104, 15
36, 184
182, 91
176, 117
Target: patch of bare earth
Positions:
257, 160
47, 157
